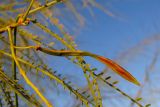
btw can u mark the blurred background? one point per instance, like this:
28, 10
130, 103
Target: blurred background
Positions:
126, 31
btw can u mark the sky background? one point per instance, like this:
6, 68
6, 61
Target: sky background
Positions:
131, 38
128, 35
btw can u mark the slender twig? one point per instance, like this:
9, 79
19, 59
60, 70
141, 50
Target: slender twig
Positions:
58, 80
113, 65
112, 86
120, 91
30, 12
6, 94
24, 47
27, 12
49, 74
14, 43
11, 25
22, 72
13, 62
47, 5
94, 88
19, 89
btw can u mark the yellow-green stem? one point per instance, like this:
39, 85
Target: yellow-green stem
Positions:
22, 72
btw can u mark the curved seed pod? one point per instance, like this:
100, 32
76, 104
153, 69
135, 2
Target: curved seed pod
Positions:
111, 64
118, 69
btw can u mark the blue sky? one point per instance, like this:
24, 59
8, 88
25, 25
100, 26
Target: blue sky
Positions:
131, 39
135, 21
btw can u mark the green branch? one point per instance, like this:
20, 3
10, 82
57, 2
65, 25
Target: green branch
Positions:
49, 74
19, 89
30, 12
27, 12
94, 88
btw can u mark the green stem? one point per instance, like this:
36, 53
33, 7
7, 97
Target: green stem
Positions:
14, 64
47, 5
65, 52
27, 12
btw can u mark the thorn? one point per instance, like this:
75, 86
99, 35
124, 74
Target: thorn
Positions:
148, 105
115, 82
94, 69
107, 77
100, 74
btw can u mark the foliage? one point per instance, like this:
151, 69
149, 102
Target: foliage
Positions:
21, 47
